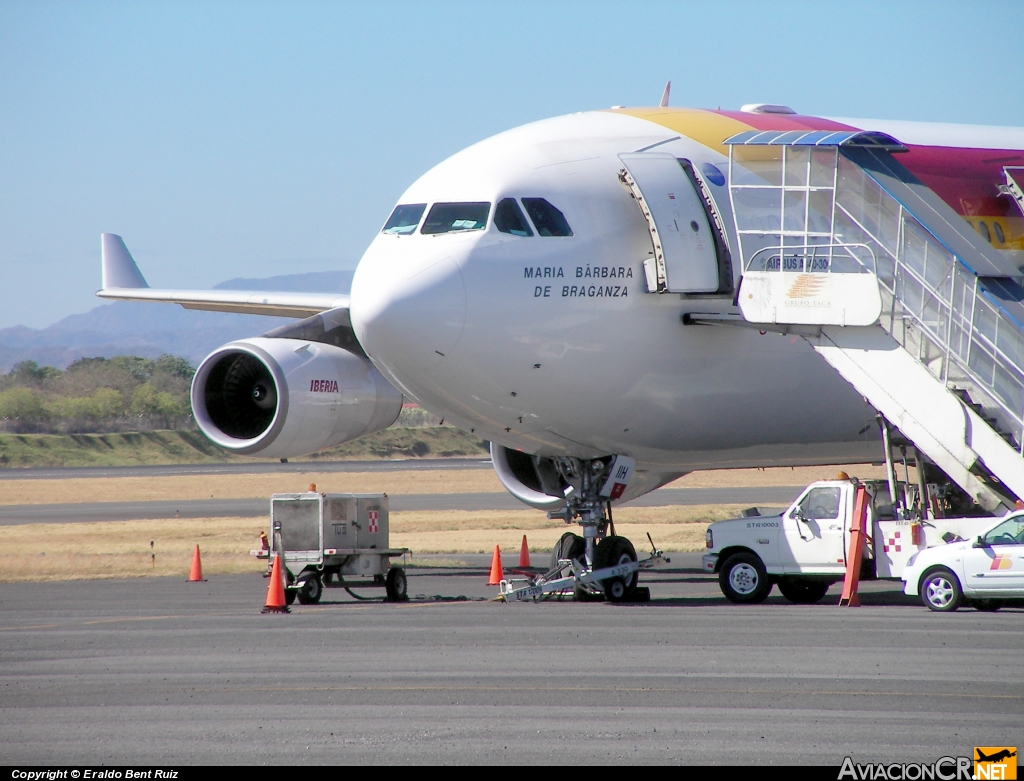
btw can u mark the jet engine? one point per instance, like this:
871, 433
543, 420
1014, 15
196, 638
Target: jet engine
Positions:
542, 482
530, 479
284, 397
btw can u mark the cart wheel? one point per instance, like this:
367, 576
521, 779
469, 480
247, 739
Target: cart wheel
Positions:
289, 596
310, 589
615, 589
396, 585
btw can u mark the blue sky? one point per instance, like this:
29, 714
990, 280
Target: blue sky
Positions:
251, 139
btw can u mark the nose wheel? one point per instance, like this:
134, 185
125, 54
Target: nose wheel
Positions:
613, 575
599, 563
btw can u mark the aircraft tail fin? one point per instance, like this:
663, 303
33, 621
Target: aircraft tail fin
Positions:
119, 269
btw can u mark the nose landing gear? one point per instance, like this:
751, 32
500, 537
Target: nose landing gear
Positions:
600, 563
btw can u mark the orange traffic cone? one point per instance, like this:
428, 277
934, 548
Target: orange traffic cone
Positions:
275, 592
524, 554
196, 575
497, 575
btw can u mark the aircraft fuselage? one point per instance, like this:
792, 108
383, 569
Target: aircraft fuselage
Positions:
551, 344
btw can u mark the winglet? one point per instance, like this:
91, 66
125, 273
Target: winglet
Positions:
665, 94
119, 270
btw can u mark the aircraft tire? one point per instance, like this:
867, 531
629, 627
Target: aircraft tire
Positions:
940, 590
580, 594
569, 546
743, 579
612, 551
803, 592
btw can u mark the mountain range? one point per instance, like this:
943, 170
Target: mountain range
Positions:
150, 330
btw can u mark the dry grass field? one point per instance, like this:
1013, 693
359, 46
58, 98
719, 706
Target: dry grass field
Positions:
185, 487
61, 551
118, 549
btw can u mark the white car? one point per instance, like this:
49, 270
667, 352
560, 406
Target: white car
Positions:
987, 572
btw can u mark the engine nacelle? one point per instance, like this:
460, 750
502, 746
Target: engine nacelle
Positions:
289, 397
535, 480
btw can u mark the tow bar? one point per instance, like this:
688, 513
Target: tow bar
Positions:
553, 581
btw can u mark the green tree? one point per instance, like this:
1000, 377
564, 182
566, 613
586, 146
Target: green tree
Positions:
104, 404
31, 374
23, 404
174, 366
147, 400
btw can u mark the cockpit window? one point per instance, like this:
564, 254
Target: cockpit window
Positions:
404, 218
450, 217
548, 220
509, 218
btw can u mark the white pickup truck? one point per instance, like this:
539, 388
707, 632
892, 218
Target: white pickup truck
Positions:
804, 549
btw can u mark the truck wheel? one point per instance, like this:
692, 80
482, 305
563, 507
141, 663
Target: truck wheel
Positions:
310, 589
397, 585
612, 551
289, 596
744, 580
803, 592
940, 590
570, 546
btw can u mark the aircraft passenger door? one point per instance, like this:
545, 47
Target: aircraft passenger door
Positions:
813, 531
685, 259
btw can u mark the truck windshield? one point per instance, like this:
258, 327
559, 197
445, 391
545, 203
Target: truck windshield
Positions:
821, 503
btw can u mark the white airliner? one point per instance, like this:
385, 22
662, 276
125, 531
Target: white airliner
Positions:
521, 290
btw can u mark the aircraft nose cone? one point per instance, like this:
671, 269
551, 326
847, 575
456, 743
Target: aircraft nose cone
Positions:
408, 319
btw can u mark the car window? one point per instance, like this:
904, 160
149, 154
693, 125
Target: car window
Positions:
548, 220
821, 503
1009, 532
452, 217
509, 218
404, 218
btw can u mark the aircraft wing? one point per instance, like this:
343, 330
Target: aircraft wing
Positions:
122, 281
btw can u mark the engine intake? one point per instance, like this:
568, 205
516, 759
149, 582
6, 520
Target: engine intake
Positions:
530, 479
240, 396
536, 480
289, 397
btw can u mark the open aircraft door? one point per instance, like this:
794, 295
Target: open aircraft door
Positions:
685, 254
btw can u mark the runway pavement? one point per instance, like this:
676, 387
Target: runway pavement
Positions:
250, 508
158, 671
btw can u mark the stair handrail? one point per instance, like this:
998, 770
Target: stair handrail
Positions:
902, 269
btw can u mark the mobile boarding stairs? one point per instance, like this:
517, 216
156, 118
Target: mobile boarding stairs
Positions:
843, 246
